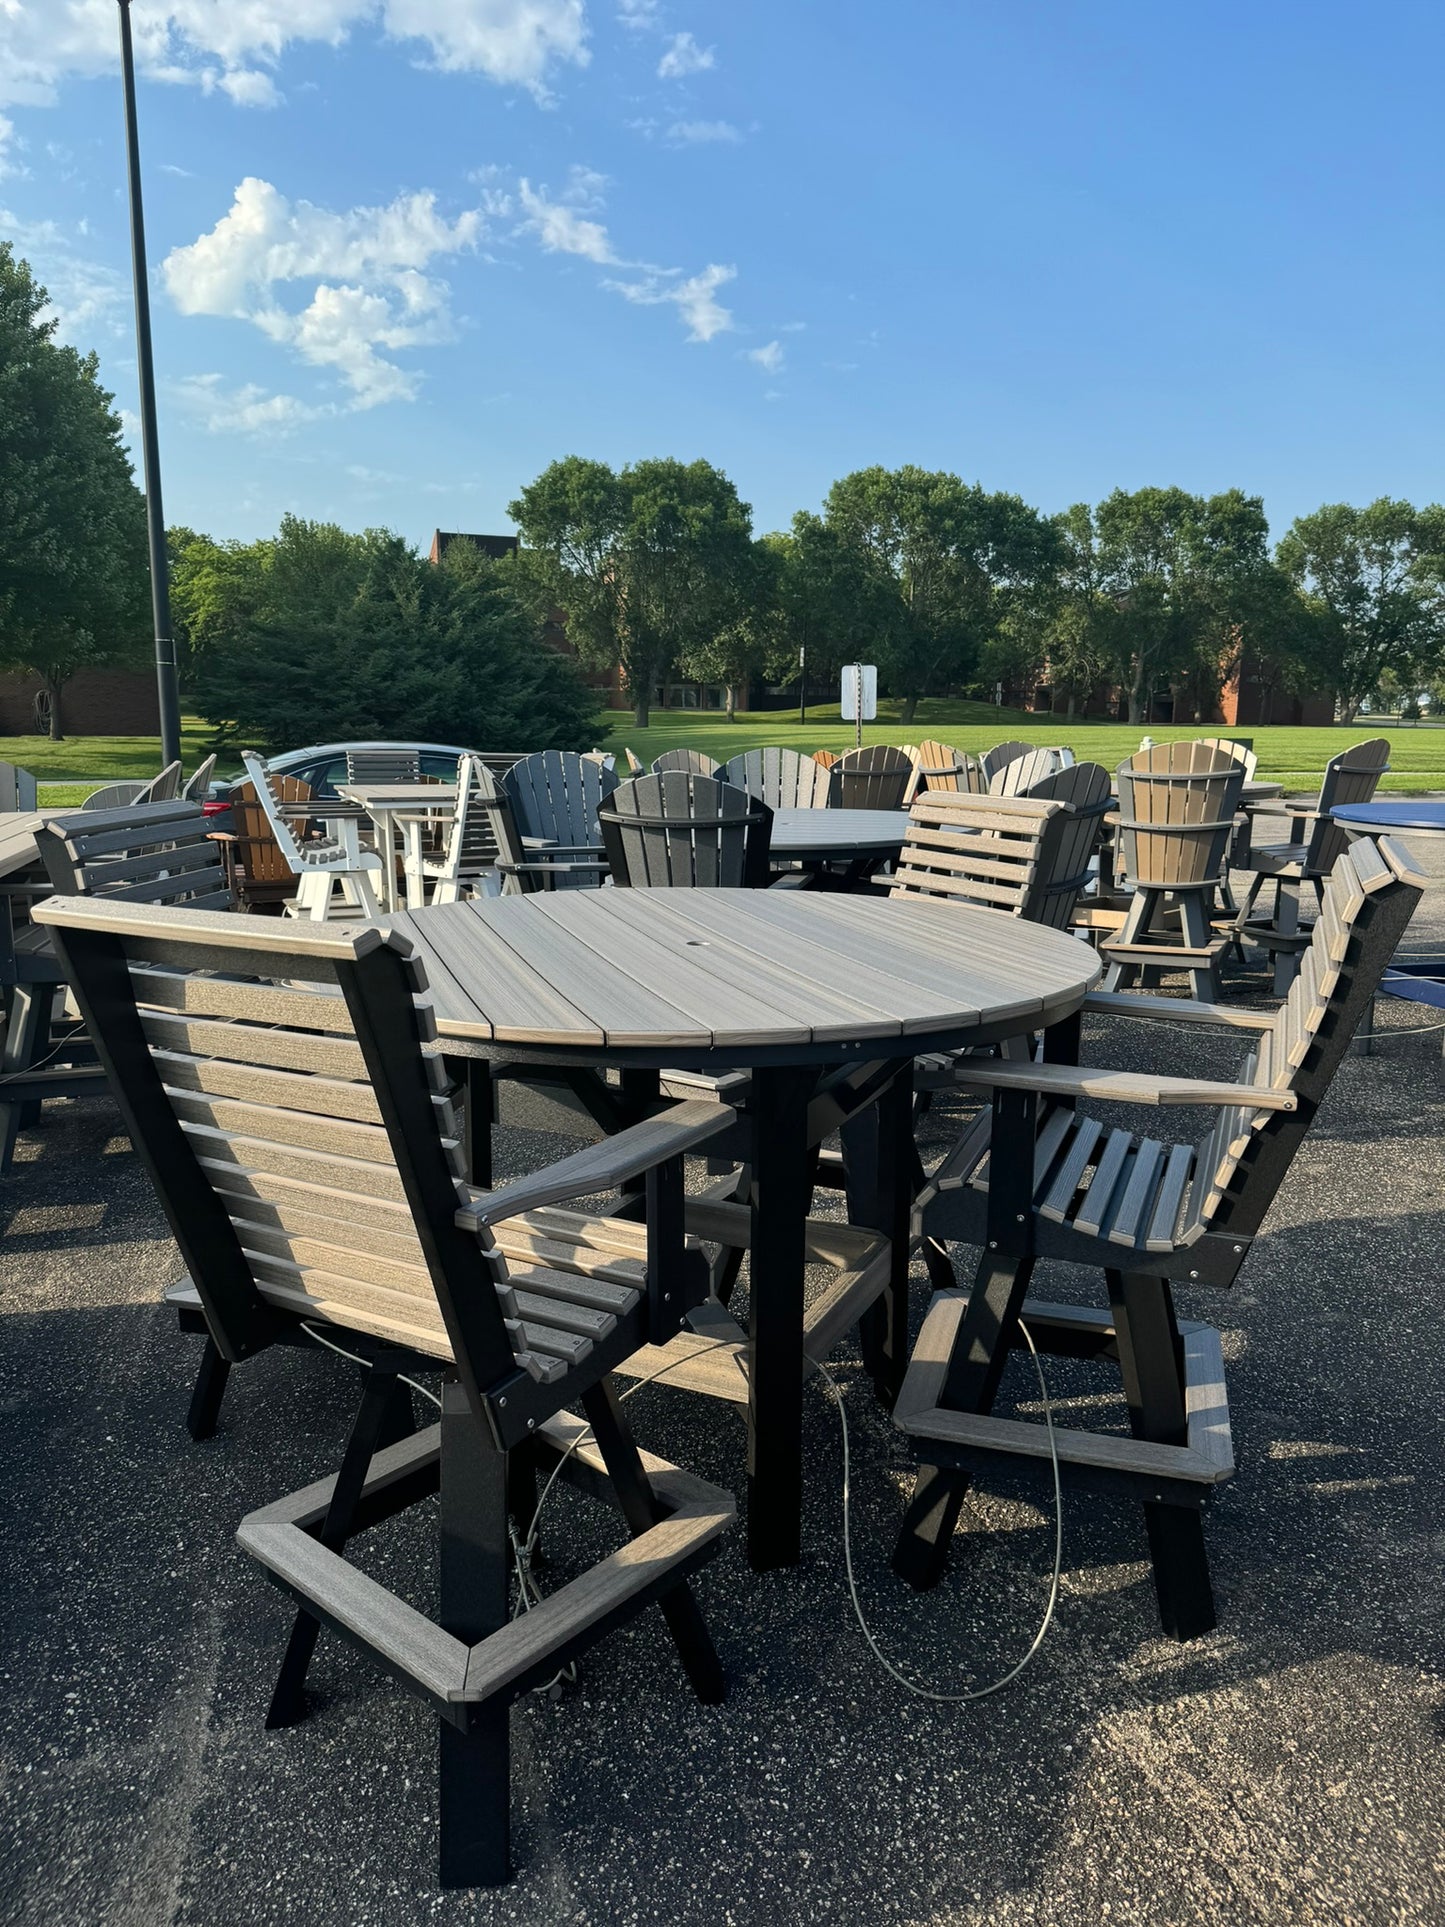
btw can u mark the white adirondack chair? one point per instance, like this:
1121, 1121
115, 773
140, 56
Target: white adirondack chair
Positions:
335, 877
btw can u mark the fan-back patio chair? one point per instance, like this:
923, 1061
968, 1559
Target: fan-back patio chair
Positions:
993, 760
1020, 775
334, 877
259, 873
1177, 804
1307, 855
275, 1083
677, 830
1232, 747
691, 762
784, 779
554, 797
1151, 1214
197, 786
133, 791
938, 766
875, 778
17, 788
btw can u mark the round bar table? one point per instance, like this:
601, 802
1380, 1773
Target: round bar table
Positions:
786, 984
1418, 979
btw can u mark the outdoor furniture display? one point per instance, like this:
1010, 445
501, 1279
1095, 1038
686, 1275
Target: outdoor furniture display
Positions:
692, 762
1020, 774
118, 796
321, 867
17, 788
276, 1084
1150, 1214
469, 859
682, 830
408, 808
1417, 978
398, 765
1177, 803
1308, 854
785, 984
824, 758
993, 760
876, 778
936, 766
259, 874
555, 797
781, 778
197, 786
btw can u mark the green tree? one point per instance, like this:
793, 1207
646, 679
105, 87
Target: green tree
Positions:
649, 564
1373, 580
216, 591
959, 560
357, 635
72, 521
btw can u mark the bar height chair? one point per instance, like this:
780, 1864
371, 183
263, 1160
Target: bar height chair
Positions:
276, 1085
334, 876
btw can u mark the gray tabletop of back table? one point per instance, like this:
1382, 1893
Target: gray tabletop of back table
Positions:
839, 834
704, 977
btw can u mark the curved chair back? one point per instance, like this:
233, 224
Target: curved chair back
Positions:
1176, 810
993, 760
163, 788
825, 758
876, 778
938, 766
555, 796
1089, 796
690, 762
1351, 777
1020, 775
782, 778
17, 788
1242, 750
199, 782
116, 796
686, 831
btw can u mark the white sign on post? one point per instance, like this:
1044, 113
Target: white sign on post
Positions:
860, 695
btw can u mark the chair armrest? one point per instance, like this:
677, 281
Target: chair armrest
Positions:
602, 1167
1119, 1087
1176, 1010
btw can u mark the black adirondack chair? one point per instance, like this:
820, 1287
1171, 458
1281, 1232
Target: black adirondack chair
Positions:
554, 797
1150, 1214
276, 1085
688, 831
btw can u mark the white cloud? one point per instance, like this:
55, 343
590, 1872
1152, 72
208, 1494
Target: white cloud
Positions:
87, 298
247, 410
691, 133
8, 144
769, 357
365, 267
561, 229
695, 299
684, 57
232, 44
638, 14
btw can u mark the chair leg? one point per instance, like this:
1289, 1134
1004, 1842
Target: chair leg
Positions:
883, 1328
288, 1702
205, 1407
27, 1032
640, 1509
1286, 922
1151, 1362
974, 1372
479, 1117
1198, 933
475, 1764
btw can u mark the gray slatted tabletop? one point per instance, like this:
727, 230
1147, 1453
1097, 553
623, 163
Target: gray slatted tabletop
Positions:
837, 836
784, 983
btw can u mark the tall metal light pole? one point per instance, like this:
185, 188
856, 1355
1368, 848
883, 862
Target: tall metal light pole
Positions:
167, 689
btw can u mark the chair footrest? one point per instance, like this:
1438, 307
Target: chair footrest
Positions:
527, 1650
1163, 953
948, 1436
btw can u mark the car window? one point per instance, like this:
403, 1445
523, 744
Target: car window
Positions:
324, 778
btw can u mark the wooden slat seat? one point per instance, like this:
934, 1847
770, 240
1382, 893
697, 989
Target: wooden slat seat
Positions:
1147, 1211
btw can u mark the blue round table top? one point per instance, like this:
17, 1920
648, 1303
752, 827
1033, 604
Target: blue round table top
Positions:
1410, 813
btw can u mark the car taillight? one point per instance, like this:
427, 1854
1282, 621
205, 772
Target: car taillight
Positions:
214, 806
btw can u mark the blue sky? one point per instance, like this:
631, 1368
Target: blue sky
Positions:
406, 252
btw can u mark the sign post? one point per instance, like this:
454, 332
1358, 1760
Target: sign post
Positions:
859, 696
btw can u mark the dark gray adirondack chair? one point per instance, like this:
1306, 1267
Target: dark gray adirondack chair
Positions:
275, 1082
993, 760
154, 853
686, 831
782, 778
691, 762
132, 792
876, 778
1177, 804
1308, 854
197, 785
1150, 1214
17, 788
554, 797
386, 765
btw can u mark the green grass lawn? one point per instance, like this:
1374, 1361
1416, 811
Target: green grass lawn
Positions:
1296, 757
69, 770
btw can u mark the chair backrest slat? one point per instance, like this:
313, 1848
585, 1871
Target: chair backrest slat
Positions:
1021, 774
683, 831
1240, 751
784, 779
198, 783
17, 788
392, 763
875, 778
975, 849
157, 853
938, 766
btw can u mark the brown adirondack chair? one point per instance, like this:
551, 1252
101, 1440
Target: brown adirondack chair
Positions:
938, 766
1150, 1214
261, 875
876, 778
276, 1085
